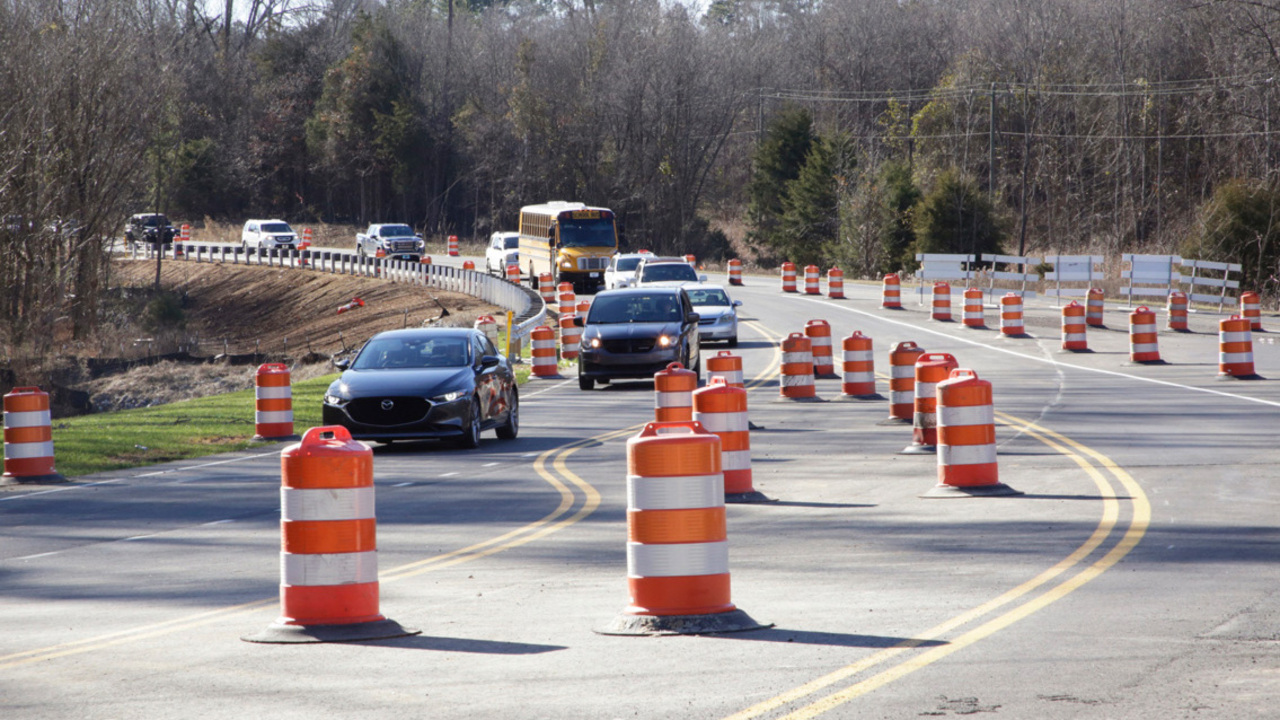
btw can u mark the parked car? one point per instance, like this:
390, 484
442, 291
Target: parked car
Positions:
503, 250
656, 271
396, 241
622, 269
635, 332
718, 315
149, 228
268, 234
425, 383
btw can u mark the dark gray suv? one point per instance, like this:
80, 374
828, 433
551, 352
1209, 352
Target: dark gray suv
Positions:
632, 333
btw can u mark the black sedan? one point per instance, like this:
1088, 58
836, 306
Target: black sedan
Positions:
635, 332
425, 383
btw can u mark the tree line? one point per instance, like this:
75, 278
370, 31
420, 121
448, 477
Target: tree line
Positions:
854, 133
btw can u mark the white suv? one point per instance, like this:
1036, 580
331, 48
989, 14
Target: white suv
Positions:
665, 272
268, 234
503, 250
622, 269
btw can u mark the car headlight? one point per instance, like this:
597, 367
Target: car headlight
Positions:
449, 396
334, 400
664, 341
595, 342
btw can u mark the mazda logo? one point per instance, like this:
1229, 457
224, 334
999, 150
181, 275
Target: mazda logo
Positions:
388, 404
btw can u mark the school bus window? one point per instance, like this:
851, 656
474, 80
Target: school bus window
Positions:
586, 232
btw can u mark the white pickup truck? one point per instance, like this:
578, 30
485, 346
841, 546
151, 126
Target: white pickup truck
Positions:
395, 241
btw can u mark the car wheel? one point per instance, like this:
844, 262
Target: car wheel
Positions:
733, 341
585, 383
511, 428
471, 433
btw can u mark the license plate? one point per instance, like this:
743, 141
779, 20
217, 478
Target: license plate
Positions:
595, 274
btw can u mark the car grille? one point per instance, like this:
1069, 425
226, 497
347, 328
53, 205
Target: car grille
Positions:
629, 345
404, 246
404, 410
708, 320
593, 263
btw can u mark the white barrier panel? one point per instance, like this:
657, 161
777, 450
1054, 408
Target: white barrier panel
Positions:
1224, 283
1081, 271
938, 266
1149, 275
1015, 274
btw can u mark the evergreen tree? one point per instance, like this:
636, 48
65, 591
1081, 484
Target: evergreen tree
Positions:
1240, 223
900, 195
777, 162
955, 217
810, 222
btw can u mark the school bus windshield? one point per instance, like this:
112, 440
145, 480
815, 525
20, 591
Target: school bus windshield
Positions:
587, 232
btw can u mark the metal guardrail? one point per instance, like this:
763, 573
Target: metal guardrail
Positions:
528, 306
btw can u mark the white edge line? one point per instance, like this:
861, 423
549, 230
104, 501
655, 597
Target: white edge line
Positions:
211, 463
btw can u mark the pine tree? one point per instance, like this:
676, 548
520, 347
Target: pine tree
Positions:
900, 195
955, 217
809, 220
777, 162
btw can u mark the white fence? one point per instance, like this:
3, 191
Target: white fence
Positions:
1081, 272
1014, 277
938, 266
1149, 275
1224, 283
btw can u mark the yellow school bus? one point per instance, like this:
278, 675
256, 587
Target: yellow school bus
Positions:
571, 241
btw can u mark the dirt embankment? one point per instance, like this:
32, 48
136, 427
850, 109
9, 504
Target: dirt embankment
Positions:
289, 315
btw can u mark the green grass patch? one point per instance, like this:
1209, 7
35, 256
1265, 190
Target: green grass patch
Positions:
191, 428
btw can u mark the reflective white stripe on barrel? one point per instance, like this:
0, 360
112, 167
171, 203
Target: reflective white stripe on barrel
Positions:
23, 451
267, 417
30, 418
328, 568
718, 422
326, 503
278, 392
957, 415
735, 460
669, 399
731, 377
966, 454
674, 492
677, 559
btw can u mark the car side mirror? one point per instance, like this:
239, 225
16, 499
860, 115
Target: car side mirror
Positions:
579, 321
737, 303
342, 363
702, 278
692, 317
489, 361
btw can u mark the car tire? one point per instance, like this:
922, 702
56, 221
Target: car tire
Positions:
511, 428
733, 341
585, 383
471, 432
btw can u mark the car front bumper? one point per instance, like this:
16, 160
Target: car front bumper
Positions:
442, 420
600, 364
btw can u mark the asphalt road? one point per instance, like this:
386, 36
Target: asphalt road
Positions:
1136, 576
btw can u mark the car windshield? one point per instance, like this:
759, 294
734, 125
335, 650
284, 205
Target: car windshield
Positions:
395, 231
401, 353
668, 271
633, 308
625, 264
154, 221
714, 296
511, 242
276, 228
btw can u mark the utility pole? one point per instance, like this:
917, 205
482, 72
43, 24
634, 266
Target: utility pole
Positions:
991, 150
159, 236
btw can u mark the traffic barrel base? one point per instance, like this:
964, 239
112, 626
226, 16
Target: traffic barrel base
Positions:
376, 630
732, 621
952, 491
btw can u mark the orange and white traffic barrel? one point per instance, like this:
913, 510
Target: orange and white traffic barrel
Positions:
306, 238
1251, 309
453, 246
677, 536
1143, 345
891, 296
941, 309
725, 364
1096, 303
973, 317
184, 237
568, 301
1074, 338
426, 260
859, 378
513, 273
722, 409
691, 259
570, 337
735, 271
788, 277
967, 464
488, 325
468, 265
1235, 348
328, 550
547, 288
304, 247
273, 399
583, 307
796, 382
819, 334
835, 283
28, 438
1177, 309
811, 286
543, 352
931, 369
673, 393
1011, 322
902, 381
